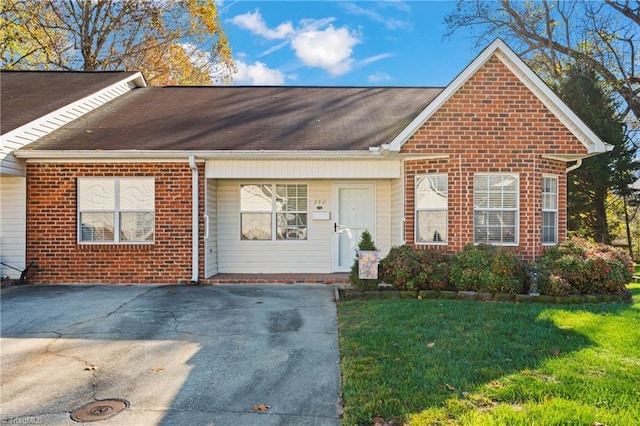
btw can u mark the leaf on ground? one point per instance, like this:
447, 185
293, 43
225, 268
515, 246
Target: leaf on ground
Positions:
157, 369
260, 407
450, 387
430, 345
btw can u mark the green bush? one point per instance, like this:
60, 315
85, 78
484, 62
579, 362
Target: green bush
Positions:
586, 268
487, 268
408, 268
366, 243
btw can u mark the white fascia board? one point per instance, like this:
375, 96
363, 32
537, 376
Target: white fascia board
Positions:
46, 124
43, 155
499, 48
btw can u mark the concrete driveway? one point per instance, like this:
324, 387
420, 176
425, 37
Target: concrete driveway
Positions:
178, 355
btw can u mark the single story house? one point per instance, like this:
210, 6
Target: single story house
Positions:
105, 180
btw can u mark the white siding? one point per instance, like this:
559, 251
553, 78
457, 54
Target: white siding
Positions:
303, 169
310, 256
397, 212
210, 243
383, 216
13, 205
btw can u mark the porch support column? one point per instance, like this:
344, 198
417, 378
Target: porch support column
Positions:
195, 210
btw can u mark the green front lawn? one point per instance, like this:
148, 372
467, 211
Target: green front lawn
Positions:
424, 362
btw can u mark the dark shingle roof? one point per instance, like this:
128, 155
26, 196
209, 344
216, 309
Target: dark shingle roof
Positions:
244, 118
28, 95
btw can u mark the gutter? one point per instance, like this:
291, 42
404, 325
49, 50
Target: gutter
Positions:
194, 219
130, 155
575, 166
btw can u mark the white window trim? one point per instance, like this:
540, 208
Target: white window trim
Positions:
516, 210
274, 214
116, 211
556, 210
416, 210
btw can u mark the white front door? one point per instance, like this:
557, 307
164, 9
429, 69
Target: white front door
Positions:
354, 213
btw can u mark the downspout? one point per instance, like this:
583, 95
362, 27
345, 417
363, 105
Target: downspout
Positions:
575, 166
194, 219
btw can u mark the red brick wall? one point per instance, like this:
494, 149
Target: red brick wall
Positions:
52, 230
493, 124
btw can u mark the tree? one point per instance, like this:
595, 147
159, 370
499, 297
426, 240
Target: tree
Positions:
589, 185
553, 35
165, 39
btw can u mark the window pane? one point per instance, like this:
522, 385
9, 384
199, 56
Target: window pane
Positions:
549, 227
256, 226
255, 198
550, 193
137, 194
96, 194
431, 226
431, 192
291, 198
291, 226
96, 226
136, 226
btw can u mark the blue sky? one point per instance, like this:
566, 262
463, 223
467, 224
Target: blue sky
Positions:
344, 43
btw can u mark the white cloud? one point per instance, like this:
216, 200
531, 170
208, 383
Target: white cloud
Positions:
315, 42
257, 74
329, 49
254, 22
379, 76
375, 16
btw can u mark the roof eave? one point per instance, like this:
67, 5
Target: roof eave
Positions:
182, 154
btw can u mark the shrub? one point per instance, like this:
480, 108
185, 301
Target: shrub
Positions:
366, 243
487, 268
586, 267
555, 286
408, 268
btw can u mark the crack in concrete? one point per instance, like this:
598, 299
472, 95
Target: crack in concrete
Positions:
107, 315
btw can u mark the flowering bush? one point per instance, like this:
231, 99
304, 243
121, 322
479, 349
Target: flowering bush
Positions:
408, 268
487, 268
586, 267
555, 286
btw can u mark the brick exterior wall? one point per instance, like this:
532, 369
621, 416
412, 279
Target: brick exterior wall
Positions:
52, 226
493, 124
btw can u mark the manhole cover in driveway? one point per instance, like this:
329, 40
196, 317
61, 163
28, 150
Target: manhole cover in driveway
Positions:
99, 410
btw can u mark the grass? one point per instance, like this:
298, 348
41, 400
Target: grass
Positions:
455, 362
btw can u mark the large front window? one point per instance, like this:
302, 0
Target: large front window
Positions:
273, 211
116, 210
495, 204
431, 209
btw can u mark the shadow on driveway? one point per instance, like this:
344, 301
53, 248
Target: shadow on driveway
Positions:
197, 355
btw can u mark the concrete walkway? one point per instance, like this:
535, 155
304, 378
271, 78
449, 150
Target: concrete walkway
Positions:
196, 355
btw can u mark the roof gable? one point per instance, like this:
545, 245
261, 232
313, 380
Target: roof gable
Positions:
36, 103
499, 49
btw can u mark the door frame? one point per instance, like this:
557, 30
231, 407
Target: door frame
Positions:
335, 194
